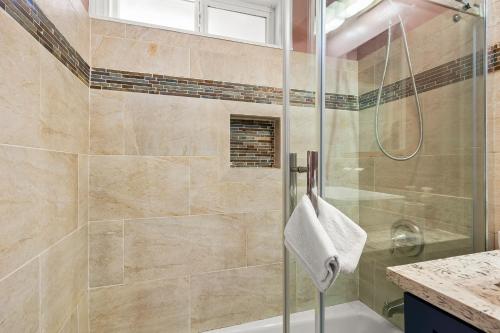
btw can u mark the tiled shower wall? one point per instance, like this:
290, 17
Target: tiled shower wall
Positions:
177, 238
43, 171
434, 189
176, 234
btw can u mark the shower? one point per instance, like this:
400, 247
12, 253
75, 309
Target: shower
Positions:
417, 100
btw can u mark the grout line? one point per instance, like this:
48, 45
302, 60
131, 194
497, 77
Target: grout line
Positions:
42, 253
38, 148
184, 276
190, 303
145, 219
123, 251
152, 156
39, 293
189, 186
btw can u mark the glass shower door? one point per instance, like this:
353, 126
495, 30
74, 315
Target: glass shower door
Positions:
416, 202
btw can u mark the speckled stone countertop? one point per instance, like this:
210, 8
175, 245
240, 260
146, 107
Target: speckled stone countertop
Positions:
466, 286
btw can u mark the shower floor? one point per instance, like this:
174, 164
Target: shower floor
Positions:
353, 317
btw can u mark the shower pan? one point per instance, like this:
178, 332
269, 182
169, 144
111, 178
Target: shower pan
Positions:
398, 122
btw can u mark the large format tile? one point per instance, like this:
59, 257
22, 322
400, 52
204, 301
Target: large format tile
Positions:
64, 279
107, 28
175, 247
105, 253
170, 125
147, 307
83, 313
19, 298
71, 18
440, 174
106, 122
64, 114
45, 108
235, 296
20, 84
138, 56
83, 190
38, 202
220, 66
71, 324
134, 187
264, 237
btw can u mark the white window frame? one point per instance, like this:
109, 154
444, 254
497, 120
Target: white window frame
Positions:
239, 7
109, 9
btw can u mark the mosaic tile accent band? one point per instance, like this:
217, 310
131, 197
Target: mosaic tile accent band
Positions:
33, 20
253, 142
146, 83
494, 58
448, 73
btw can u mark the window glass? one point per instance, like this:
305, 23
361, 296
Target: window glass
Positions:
236, 25
179, 14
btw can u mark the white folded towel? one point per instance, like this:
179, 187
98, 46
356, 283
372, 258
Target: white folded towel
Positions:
347, 237
306, 238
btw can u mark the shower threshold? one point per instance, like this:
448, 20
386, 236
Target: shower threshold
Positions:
352, 317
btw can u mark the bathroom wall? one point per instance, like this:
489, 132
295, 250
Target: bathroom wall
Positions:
434, 189
179, 240
43, 166
493, 113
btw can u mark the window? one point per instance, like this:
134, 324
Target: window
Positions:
231, 23
249, 20
178, 14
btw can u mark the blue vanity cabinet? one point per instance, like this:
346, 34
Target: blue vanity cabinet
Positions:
422, 317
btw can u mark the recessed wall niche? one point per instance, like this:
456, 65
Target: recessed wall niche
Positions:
254, 142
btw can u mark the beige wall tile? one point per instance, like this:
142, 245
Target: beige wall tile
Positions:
138, 56
72, 19
456, 212
83, 313
198, 42
64, 114
20, 301
449, 175
142, 124
105, 253
169, 125
175, 247
204, 186
107, 28
147, 34
148, 307
221, 66
20, 84
71, 325
83, 190
47, 109
38, 190
106, 122
448, 131
64, 279
341, 133
264, 237
134, 187
241, 197
235, 296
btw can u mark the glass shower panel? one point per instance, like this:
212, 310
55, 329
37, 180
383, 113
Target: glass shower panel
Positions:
418, 208
304, 128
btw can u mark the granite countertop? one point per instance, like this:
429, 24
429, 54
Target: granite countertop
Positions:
466, 286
